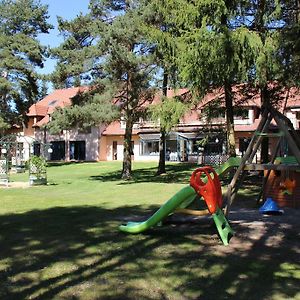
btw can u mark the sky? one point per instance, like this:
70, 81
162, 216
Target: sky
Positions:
67, 9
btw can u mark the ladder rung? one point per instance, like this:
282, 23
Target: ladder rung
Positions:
279, 167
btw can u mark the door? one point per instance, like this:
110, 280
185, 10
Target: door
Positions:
77, 150
58, 150
115, 150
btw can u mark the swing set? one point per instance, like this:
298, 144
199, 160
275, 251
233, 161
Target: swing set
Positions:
285, 166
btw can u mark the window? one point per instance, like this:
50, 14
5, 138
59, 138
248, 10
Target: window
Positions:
243, 144
240, 113
150, 148
52, 102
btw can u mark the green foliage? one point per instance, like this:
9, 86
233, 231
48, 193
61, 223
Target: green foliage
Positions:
203, 142
20, 54
213, 110
3, 124
168, 113
84, 114
107, 49
290, 43
37, 166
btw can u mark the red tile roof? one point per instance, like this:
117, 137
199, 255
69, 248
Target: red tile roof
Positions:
58, 98
63, 97
243, 95
293, 98
37, 110
42, 122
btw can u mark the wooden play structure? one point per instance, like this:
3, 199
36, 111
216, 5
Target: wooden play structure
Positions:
284, 186
288, 168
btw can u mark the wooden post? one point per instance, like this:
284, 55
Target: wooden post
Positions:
249, 155
292, 144
288, 123
265, 178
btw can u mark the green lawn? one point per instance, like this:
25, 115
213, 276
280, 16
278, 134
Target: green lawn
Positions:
61, 241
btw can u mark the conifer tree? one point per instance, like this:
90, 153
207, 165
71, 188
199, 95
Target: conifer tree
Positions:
161, 32
216, 49
268, 68
106, 47
20, 53
290, 43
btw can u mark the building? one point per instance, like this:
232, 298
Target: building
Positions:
76, 144
105, 143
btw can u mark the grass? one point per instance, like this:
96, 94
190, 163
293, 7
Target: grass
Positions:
61, 241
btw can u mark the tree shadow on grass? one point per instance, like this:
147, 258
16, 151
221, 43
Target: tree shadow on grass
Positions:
176, 173
78, 253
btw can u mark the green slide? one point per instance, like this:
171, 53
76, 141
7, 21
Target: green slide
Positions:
181, 199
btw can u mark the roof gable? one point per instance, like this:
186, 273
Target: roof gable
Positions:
58, 98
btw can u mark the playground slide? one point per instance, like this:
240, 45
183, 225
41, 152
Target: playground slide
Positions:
181, 199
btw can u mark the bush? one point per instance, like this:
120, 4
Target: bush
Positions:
38, 166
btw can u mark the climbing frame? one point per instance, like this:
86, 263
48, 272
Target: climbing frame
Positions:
286, 130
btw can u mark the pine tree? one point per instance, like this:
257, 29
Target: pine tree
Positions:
290, 43
214, 47
20, 53
267, 17
159, 31
107, 48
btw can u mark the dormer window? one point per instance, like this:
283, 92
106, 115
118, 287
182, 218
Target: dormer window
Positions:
52, 103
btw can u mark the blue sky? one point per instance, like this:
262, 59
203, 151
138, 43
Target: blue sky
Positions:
68, 9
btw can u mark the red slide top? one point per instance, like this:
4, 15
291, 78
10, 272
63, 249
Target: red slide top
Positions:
211, 190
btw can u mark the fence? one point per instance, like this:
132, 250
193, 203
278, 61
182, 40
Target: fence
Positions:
212, 159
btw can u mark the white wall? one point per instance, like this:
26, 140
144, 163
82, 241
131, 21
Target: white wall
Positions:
293, 117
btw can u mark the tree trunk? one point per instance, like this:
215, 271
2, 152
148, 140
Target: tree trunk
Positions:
162, 150
228, 89
162, 139
229, 120
265, 102
128, 151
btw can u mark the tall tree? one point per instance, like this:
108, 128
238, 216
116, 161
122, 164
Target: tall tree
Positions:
266, 23
107, 48
214, 48
20, 53
290, 43
169, 112
159, 31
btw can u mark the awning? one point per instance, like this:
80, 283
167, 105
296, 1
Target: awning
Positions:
191, 135
149, 136
172, 136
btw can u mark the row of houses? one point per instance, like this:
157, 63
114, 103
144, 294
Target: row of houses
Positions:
105, 142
